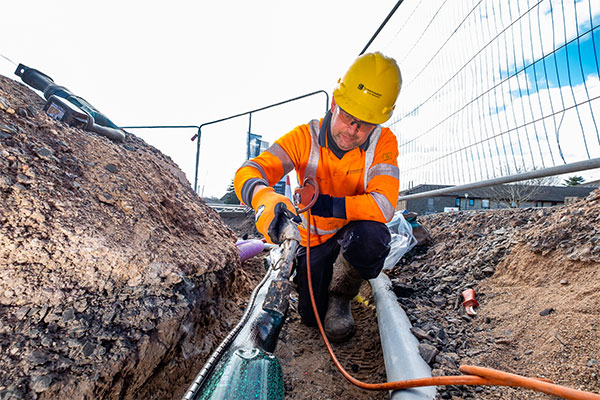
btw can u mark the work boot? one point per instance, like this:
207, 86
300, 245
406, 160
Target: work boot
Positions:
345, 284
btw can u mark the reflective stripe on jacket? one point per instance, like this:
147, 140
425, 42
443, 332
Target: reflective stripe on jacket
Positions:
367, 176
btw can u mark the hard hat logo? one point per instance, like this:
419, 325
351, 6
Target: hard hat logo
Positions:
369, 89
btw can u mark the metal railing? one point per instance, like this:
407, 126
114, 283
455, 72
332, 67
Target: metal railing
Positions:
198, 134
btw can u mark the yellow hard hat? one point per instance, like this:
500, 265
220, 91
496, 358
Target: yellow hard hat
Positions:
370, 87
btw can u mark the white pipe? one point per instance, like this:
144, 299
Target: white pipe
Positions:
400, 348
538, 173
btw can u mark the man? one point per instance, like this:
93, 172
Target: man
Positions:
354, 163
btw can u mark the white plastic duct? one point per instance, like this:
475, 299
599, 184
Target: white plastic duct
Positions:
400, 348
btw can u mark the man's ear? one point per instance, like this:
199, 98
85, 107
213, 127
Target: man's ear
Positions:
332, 104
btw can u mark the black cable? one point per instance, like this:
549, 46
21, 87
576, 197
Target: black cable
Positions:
381, 26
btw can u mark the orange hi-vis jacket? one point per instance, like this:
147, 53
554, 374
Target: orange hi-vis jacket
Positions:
366, 178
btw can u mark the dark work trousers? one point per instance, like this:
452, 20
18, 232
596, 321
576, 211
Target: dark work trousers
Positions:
364, 244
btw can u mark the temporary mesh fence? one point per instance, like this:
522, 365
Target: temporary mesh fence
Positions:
493, 88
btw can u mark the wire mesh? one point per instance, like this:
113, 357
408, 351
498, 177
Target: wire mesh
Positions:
494, 88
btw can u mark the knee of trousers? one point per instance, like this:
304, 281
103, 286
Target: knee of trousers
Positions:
365, 245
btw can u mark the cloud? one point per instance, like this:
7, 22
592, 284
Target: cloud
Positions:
495, 88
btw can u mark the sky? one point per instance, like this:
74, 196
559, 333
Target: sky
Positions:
192, 62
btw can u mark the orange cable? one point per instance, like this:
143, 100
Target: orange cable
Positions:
478, 375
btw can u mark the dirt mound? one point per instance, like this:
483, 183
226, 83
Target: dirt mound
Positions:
537, 278
115, 278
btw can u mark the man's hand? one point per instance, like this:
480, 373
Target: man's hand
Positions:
273, 213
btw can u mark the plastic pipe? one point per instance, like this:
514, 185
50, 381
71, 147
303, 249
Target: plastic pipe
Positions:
538, 173
250, 248
400, 348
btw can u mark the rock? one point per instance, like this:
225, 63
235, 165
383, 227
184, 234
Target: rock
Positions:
41, 383
488, 270
111, 168
11, 393
42, 313
45, 153
21, 111
428, 352
81, 305
439, 301
22, 312
546, 311
68, 315
106, 198
402, 289
32, 111
420, 333
4, 104
88, 349
38, 357
8, 129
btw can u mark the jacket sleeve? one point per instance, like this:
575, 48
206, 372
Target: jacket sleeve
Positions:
378, 203
272, 164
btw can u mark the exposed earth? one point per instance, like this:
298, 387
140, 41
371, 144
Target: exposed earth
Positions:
117, 281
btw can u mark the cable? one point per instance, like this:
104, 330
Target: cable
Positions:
477, 375
381, 26
8, 59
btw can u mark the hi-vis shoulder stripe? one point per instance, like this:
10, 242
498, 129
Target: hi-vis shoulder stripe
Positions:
253, 164
313, 158
285, 159
370, 154
383, 169
316, 231
387, 208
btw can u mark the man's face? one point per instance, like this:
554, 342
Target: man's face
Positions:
349, 132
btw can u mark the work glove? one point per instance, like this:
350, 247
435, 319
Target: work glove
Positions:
273, 213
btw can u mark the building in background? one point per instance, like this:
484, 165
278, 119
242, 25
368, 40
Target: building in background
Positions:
500, 196
256, 146
594, 184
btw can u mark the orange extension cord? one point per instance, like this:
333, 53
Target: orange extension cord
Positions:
477, 375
